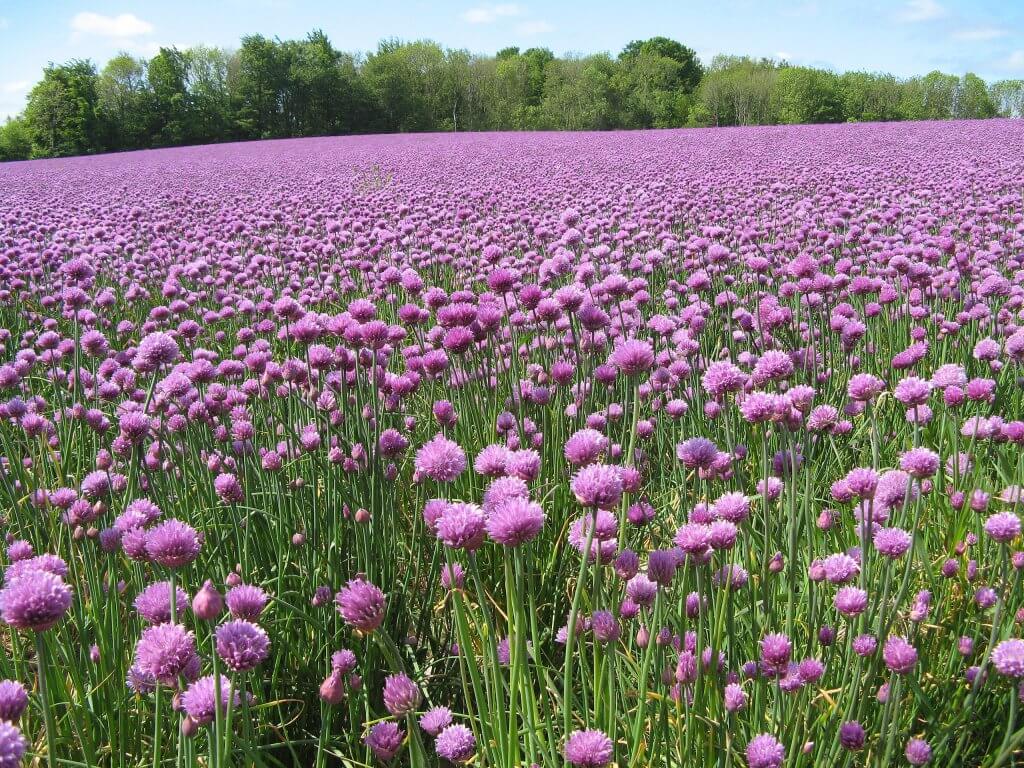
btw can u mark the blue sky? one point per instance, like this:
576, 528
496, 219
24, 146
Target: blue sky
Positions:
905, 37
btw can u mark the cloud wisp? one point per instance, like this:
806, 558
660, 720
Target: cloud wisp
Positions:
123, 26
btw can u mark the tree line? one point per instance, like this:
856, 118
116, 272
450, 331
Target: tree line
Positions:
284, 88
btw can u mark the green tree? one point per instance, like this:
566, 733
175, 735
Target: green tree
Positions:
123, 103
687, 76
259, 87
409, 82
931, 97
313, 92
648, 89
61, 110
869, 97
578, 94
170, 109
805, 95
206, 81
1008, 97
537, 61
972, 100
737, 90
15, 140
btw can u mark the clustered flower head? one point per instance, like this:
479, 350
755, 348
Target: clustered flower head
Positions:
361, 604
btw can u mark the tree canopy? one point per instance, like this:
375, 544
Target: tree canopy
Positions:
271, 88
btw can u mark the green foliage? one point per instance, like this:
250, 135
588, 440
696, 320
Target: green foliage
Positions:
1008, 97
123, 103
578, 94
259, 87
15, 139
805, 95
273, 88
973, 100
870, 97
170, 110
686, 76
61, 111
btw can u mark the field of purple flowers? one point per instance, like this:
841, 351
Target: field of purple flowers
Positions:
680, 448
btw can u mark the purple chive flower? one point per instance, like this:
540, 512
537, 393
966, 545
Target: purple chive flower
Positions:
440, 460
452, 576
44, 562
598, 485
918, 752
900, 656
920, 463
840, 568
154, 602
589, 749
456, 744
515, 521
384, 739
36, 600
401, 695
642, 590
164, 651
851, 735
1008, 658
491, 460
1003, 527
697, 453
722, 377
504, 488
343, 661
12, 745
208, 602
735, 697
851, 601
361, 605
585, 446
173, 544
776, 650
864, 645
462, 526
892, 542
693, 538
633, 357
733, 507
661, 569
605, 627
13, 700
246, 601
141, 513
627, 564
200, 699
864, 386
435, 720
765, 751
19, 550
228, 488
242, 645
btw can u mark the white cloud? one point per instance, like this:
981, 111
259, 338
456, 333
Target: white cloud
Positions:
783, 55
1015, 61
488, 14
922, 10
15, 86
979, 34
124, 25
533, 27
146, 48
